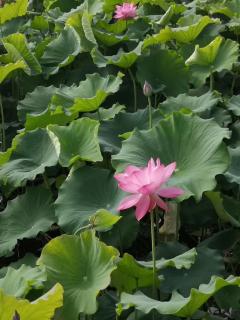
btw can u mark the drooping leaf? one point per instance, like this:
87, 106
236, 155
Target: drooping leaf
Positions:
226, 208
61, 51
233, 172
170, 142
25, 217
163, 70
216, 56
18, 49
110, 132
29, 158
42, 308
121, 59
234, 105
106, 114
178, 305
18, 282
197, 104
90, 93
13, 10
85, 192
183, 34
184, 260
78, 141
184, 280
36, 111
7, 69
130, 275
83, 265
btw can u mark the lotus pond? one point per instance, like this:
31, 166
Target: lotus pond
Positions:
120, 160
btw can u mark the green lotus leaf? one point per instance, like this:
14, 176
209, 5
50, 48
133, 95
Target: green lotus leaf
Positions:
103, 220
61, 51
117, 27
109, 39
178, 305
28, 260
130, 275
18, 282
13, 10
85, 191
124, 233
90, 93
106, 114
122, 59
106, 307
29, 158
37, 214
200, 104
184, 260
5, 156
233, 173
81, 22
184, 280
40, 23
234, 105
226, 208
42, 308
218, 55
35, 109
222, 240
10, 67
18, 49
170, 142
83, 265
111, 131
164, 70
184, 34
228, 8
78, 141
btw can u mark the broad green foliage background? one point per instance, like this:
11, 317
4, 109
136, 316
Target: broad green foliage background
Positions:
73, 113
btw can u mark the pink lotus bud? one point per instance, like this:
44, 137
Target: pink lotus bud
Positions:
147, 89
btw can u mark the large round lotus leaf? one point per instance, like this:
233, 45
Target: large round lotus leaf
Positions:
25, 217
78, 141
195, 144
163, 69
29, 158
7, 69
83, 265
85, 191
43, 308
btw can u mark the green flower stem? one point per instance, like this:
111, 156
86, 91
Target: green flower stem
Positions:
150, 112
134, 89
153, 252
3, 125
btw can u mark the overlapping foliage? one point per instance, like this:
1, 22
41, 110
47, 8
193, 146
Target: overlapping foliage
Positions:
73, 113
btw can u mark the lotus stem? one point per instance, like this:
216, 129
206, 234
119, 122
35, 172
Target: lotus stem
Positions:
150, 112
3, 125
153, 254
134, 89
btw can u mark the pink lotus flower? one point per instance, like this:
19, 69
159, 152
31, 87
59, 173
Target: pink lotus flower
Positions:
125, 11
148, 187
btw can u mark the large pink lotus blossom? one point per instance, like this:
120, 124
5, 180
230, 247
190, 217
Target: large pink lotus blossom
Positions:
148, 186
125, 11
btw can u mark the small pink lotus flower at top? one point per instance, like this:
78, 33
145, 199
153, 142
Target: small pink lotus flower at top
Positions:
125, 11
148, 185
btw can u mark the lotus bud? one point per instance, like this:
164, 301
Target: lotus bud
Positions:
147, 89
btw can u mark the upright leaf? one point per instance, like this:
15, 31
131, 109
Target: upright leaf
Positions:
13, 10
